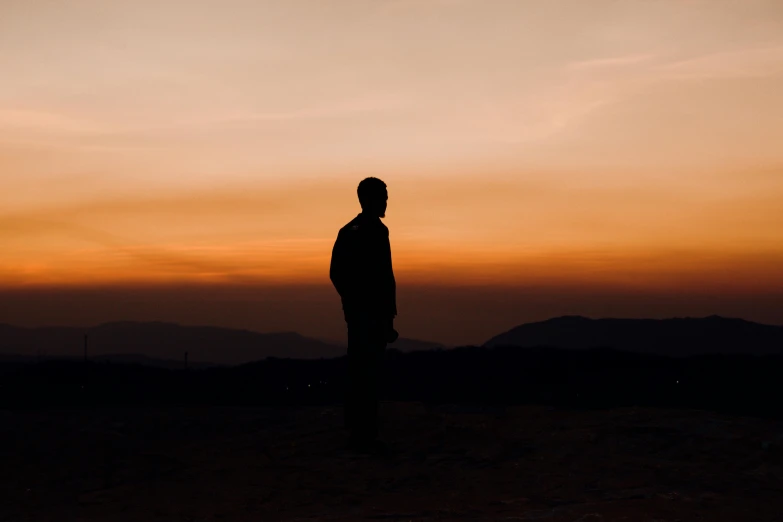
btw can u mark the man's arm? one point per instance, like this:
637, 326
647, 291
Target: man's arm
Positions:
391, 288
391, 282
338, 266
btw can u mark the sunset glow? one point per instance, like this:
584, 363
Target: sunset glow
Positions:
617, 146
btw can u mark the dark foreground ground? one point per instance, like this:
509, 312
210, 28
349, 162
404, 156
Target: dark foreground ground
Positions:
517, 463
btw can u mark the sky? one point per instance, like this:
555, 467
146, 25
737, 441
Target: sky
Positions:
193, 160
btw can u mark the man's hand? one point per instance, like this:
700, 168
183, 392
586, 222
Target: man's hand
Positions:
391, 334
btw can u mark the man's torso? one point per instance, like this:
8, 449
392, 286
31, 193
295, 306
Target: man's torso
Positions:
362, 269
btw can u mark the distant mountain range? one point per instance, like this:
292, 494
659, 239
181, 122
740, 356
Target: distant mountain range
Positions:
164, 344
672, 337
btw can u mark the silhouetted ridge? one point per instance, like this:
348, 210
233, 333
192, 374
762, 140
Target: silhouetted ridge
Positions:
164, 344
162, 341
676, 337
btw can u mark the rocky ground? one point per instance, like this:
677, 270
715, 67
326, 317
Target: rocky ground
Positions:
451, 463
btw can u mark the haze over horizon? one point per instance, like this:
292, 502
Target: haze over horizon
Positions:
193, 161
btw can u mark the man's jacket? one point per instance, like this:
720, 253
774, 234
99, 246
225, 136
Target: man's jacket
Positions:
361, 269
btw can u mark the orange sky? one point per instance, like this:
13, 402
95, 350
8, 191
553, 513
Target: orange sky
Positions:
626, 146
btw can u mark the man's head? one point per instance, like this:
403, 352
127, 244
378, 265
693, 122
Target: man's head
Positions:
373, 196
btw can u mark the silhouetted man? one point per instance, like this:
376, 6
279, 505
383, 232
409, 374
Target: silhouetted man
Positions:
361, 271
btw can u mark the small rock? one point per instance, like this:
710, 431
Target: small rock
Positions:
590, 517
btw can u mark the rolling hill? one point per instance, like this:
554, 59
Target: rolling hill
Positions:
672, 337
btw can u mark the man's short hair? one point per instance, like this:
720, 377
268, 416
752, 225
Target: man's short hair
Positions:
370, 189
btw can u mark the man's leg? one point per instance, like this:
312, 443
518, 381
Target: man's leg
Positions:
352, 383
366, 346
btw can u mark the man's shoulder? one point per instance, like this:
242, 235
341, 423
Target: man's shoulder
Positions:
364, 225
353, 225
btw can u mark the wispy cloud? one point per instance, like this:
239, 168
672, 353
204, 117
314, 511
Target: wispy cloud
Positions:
617, 61
373, 102
44, 120
753, 62
407, 5
29, 127
578, 90
589, 85
540, 117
